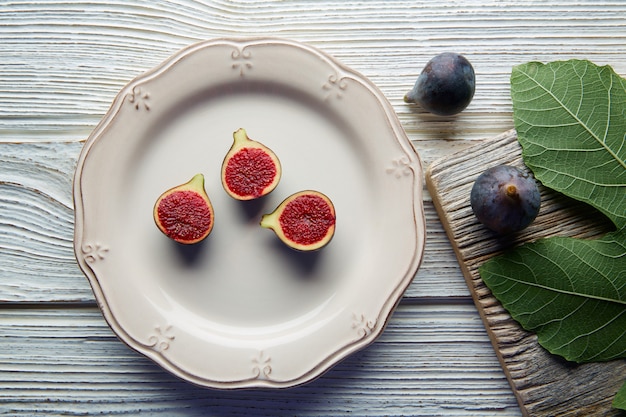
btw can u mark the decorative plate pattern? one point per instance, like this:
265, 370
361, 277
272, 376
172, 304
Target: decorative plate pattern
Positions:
241, 310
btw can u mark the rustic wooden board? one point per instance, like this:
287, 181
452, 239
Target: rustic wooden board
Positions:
544, 384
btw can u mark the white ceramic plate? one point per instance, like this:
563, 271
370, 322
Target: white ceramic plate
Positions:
240, 309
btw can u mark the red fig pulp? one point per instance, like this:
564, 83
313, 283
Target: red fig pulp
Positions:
303, 221
185, 213
250, 169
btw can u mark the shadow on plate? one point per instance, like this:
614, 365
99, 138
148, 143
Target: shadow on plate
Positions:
190, 255
305, 262
253, 209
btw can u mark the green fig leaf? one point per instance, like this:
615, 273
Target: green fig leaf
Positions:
570, 118
570, 292
619, 401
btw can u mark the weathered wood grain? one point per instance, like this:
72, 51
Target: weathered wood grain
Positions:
545, 384
432, 360
62, 62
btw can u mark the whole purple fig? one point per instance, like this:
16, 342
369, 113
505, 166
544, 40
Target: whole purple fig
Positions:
505, 199
445, 86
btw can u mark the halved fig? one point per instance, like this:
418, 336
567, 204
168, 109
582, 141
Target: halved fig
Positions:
304, 221
185, 213
250, 169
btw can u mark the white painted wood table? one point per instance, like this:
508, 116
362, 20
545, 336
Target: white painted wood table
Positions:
61, 65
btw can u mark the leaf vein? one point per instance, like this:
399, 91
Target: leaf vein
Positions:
601, 141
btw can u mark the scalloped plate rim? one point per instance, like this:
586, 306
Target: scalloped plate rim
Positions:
83, 250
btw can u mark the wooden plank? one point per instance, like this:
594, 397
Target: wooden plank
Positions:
545, 384
433, 360
37, 224
63, 62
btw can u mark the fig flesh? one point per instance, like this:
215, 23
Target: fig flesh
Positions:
505, 199
184, 213
304, 221
250, 169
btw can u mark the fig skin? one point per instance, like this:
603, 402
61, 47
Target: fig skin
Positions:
262, 156
445, 86
505, 199
325, 219
185, 225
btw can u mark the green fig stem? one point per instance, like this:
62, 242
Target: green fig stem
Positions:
197, 182
267, 221
240, 135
